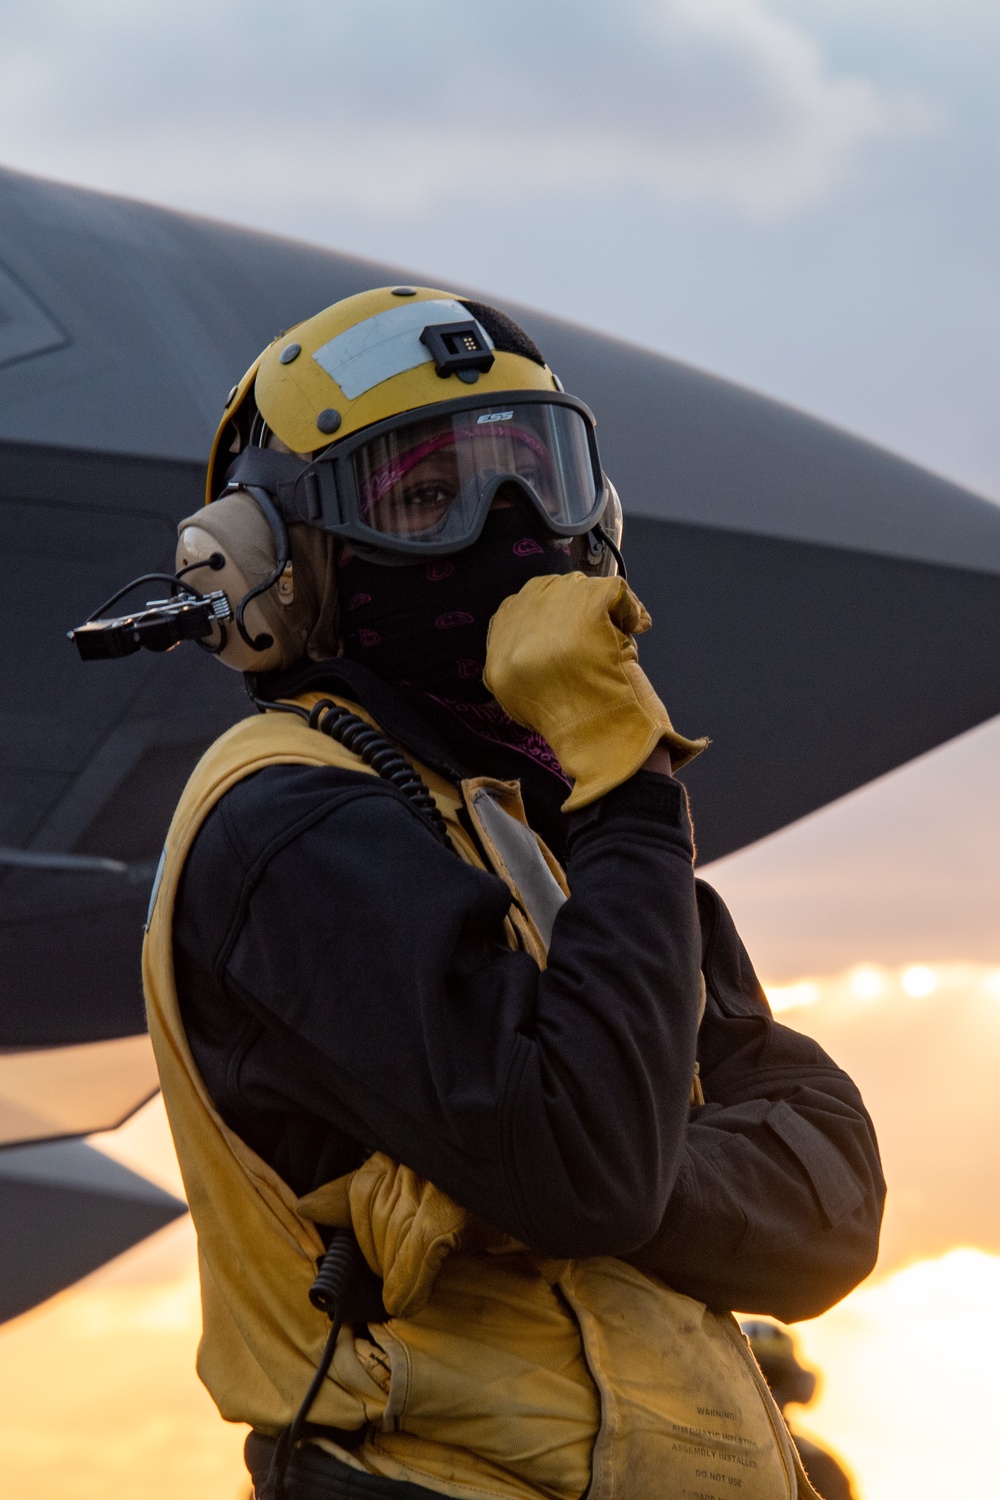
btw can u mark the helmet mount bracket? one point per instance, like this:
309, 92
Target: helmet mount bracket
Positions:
458, 348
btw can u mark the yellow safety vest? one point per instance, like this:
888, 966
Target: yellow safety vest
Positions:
517, 1377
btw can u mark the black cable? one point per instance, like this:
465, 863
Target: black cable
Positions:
328, 1293
265, 705
375, 750
612, 547
371, 746
170, 578
223, 641
283, 549
342, 1260
274, 1485
216, 561
335, 1273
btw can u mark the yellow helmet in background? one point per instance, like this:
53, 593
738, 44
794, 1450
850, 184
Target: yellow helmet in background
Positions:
369, 357
774, 1350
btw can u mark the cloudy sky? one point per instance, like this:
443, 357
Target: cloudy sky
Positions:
799, 194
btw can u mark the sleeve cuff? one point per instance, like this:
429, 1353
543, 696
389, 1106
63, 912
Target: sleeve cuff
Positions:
646, 795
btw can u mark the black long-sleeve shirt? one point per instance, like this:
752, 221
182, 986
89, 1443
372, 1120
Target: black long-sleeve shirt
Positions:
346, 986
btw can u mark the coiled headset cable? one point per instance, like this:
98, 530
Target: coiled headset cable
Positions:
337, 1272
342, 1262
340, 1266
371, 746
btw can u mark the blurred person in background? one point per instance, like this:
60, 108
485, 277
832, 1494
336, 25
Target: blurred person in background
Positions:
791, 1384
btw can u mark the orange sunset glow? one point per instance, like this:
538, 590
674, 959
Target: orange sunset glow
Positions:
98, 1394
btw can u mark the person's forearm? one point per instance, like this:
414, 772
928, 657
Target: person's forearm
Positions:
603, 1084
778, 1203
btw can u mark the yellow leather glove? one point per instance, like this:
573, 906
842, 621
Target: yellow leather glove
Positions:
561, 660
406, 1227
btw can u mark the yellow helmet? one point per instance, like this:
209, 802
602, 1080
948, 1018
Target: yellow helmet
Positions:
346, 424
362, 360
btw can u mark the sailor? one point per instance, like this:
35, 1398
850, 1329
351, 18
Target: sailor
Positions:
791, 1384
428, 967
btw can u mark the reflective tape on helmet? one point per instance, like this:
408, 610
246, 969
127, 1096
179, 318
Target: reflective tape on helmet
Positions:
386, 345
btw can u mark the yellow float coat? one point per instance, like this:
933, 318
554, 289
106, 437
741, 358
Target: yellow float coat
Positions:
503, 1375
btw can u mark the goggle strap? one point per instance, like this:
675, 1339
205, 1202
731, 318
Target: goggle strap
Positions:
291, 484
265, 467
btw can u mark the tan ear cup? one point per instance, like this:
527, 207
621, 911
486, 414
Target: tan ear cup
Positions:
236, 527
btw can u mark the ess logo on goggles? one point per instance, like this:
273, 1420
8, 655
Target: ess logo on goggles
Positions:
422, 483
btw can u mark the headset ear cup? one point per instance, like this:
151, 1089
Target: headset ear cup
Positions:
294, 606
239, 528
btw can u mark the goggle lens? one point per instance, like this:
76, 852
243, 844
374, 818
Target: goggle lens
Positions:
428, 480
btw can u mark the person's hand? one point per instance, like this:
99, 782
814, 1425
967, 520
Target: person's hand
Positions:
561, 659
406, 1227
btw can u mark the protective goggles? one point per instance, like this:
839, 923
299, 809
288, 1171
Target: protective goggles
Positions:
423, 482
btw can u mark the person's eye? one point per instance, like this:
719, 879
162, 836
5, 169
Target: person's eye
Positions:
428, 496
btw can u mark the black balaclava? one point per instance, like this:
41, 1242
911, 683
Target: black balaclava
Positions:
422, 627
